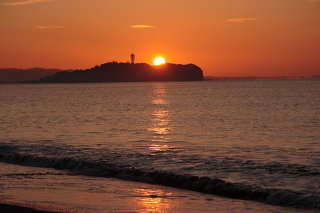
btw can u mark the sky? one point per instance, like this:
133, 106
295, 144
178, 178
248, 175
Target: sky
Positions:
223, 37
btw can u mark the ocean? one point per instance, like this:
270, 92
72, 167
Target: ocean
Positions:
228, 146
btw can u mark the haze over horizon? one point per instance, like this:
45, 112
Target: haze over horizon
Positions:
224, 38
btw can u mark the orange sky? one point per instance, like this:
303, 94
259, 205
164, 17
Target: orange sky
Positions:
223, 37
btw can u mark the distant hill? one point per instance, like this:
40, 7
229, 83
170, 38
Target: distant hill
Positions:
15, 75
126, 72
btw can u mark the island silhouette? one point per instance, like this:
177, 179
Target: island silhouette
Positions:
127, 72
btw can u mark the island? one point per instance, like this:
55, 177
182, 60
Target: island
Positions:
127, 72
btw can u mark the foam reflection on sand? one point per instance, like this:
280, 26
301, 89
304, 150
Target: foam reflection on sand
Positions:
153, 200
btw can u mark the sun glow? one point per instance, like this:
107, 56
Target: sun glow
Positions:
158, 61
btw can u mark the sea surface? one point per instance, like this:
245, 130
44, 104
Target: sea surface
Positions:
251, 141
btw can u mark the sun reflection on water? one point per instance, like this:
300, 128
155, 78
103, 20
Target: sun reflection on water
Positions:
161, 124
161, 114
159, 101
160, 148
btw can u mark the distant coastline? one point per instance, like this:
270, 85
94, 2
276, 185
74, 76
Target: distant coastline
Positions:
251, 78
14, 75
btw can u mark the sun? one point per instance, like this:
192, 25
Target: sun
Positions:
158, 61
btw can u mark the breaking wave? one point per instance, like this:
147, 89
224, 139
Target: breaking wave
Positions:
207, 185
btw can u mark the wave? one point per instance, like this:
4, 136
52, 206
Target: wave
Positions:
207, 185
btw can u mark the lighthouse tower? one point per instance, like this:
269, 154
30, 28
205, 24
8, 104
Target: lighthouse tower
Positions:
132, 56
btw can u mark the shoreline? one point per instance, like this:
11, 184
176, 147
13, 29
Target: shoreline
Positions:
10, 208
41, 190
45, 191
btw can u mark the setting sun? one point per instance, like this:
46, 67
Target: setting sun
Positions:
158, 61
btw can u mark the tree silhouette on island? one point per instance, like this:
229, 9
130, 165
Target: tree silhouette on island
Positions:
128, 72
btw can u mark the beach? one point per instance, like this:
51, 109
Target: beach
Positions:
246, 146
49, 190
